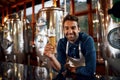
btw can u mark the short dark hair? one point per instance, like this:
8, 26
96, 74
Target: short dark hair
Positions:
71, 18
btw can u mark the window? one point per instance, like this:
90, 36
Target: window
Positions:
83, 23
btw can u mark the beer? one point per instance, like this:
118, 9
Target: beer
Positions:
52, 41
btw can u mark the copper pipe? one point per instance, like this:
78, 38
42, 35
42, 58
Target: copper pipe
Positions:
24, 11
72, 7
33, 21
90, 23
7, 12
54, 3
3, 17
42, 3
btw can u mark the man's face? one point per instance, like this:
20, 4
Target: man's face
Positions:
71, 30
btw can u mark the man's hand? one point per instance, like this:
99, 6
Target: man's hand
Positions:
71, 69
48, 51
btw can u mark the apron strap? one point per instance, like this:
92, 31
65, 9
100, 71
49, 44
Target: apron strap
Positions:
67, 48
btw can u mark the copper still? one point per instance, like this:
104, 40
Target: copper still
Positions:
109, 33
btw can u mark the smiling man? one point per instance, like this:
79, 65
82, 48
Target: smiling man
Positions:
76, 53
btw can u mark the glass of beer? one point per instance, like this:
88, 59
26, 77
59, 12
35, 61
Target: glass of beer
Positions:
52, 39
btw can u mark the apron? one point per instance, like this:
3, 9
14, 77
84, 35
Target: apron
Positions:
73, 62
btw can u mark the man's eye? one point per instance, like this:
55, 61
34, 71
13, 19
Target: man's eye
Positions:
73, 27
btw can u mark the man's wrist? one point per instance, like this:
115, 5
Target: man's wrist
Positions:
52, 58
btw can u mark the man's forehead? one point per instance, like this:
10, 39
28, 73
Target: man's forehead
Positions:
70, 23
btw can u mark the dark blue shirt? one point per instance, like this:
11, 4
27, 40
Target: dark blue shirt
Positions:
86, 43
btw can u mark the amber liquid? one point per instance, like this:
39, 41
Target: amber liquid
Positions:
52, 41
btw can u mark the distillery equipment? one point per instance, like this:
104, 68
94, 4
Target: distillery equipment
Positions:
109, 34
15, 41
48, 26
15, 45
48, 30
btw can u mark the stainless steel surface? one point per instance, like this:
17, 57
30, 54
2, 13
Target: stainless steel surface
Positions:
16, 71
48, 24
49, 20
109, 34
16, 39
17, 36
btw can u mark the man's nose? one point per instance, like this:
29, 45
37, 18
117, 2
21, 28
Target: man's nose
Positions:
70, 30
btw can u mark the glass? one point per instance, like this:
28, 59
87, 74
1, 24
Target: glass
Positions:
52, 38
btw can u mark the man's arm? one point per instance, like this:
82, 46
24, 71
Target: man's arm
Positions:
54, 62
90, 58
56, 65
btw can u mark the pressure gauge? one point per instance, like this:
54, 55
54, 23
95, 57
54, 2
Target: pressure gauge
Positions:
114, 38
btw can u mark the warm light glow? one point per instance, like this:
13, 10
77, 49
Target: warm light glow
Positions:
5, 19
95, 21
98, 6
54, 3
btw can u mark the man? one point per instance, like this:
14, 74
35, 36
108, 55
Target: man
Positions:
76, 53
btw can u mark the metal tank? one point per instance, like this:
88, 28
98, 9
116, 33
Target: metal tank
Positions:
15, 45
48, 30
109, 34
15, 41
48, 26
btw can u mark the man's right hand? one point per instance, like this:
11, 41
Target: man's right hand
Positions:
48, 51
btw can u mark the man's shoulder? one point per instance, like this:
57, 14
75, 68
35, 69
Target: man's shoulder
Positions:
84, 36
62, 43
63, 40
